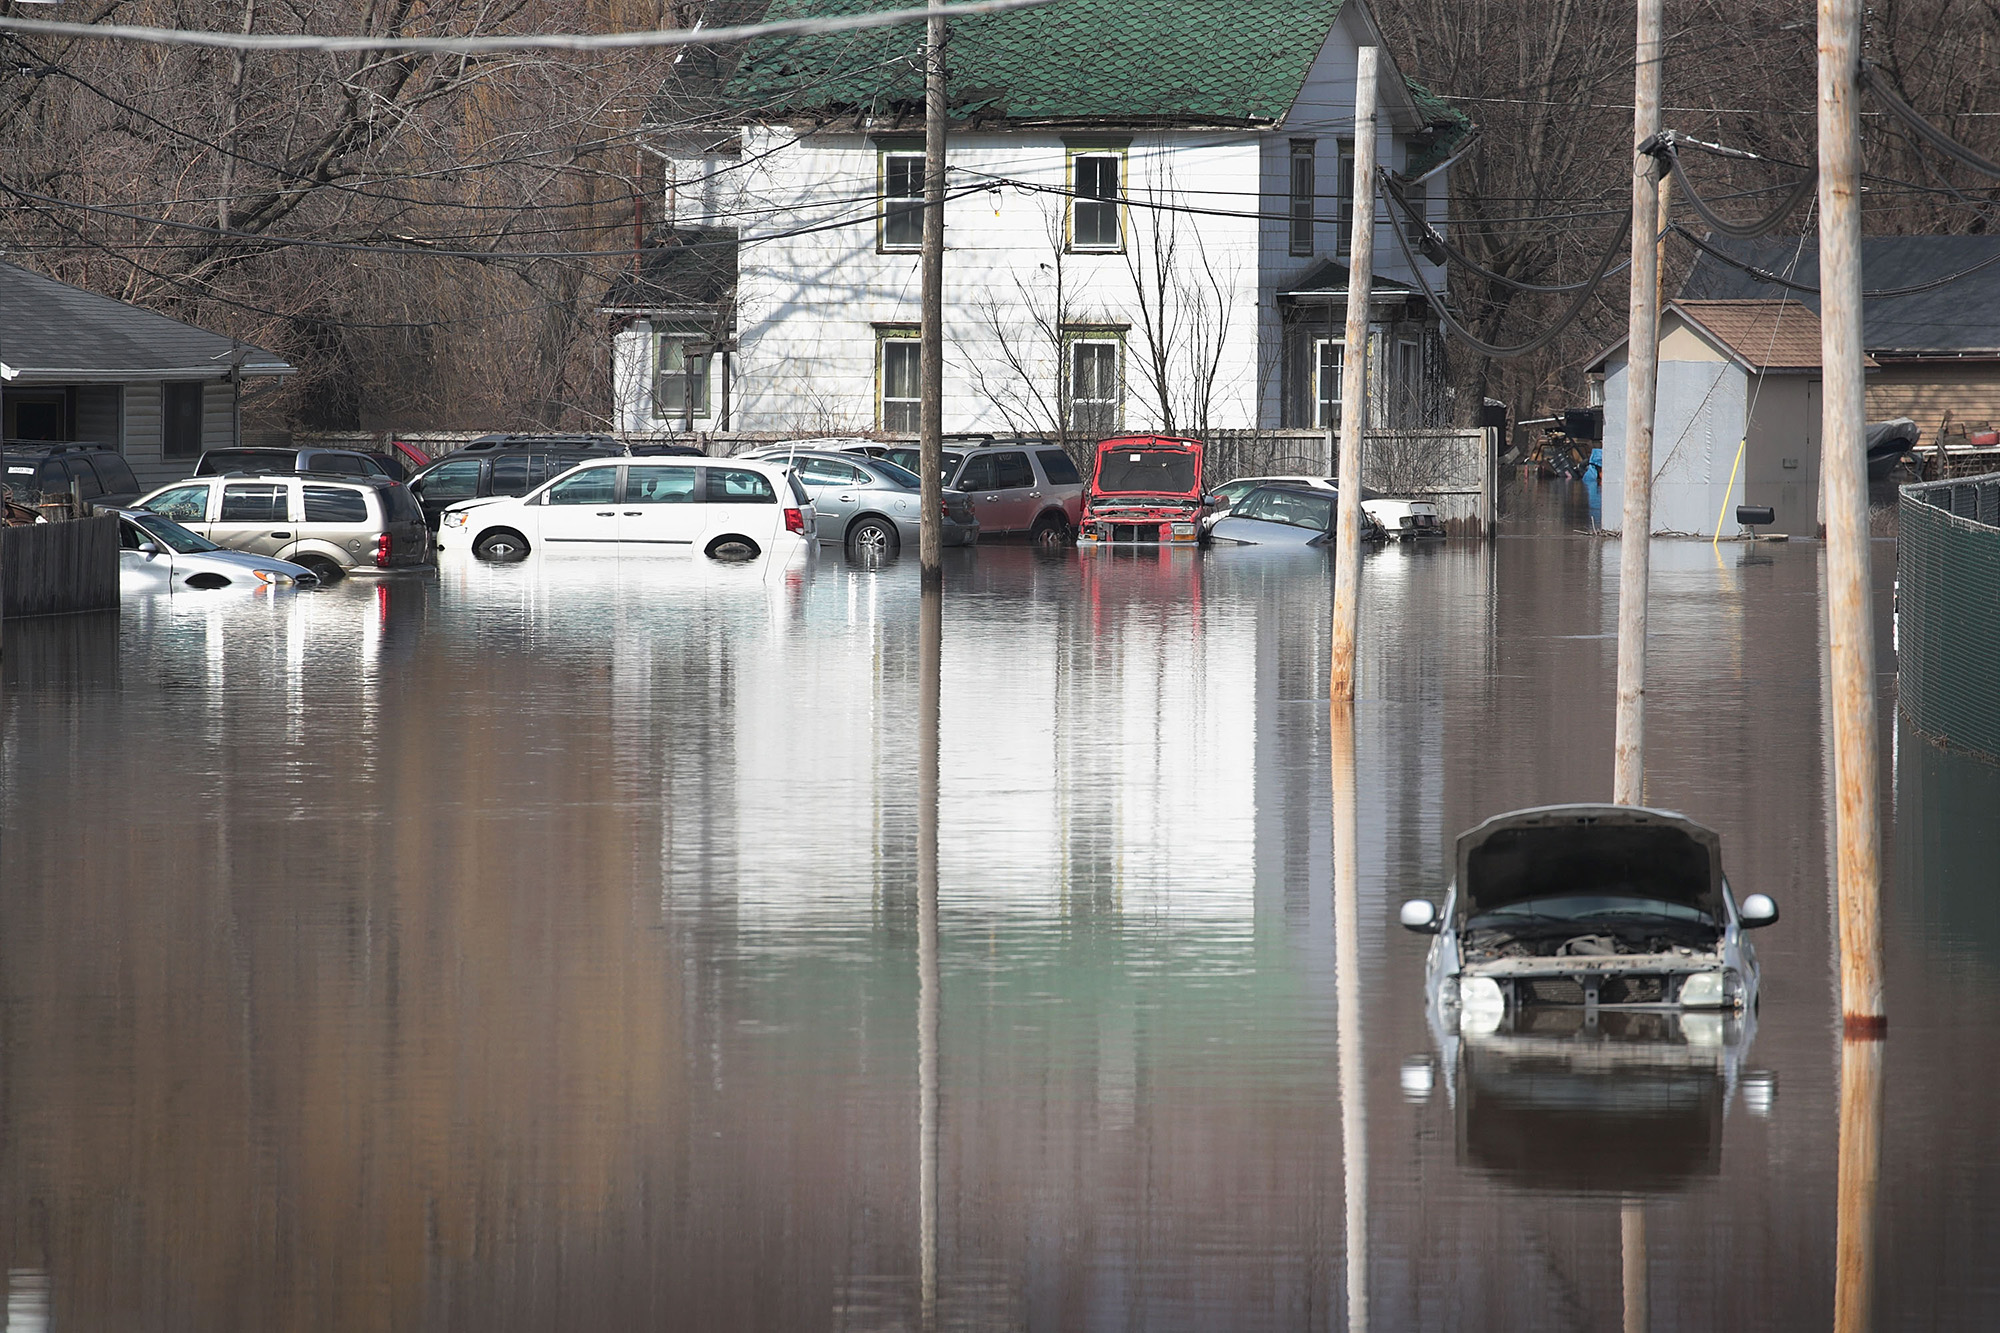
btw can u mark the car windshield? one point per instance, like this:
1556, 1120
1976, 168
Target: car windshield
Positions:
1146, 471
1298, 509
173, 536
901, 476
1569, 911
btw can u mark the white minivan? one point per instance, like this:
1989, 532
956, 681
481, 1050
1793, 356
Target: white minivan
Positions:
724, 508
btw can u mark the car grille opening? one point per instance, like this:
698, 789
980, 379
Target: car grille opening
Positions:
1134, 532
1633, 990
1554, 990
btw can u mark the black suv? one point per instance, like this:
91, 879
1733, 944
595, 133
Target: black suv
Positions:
102, 476
502, 465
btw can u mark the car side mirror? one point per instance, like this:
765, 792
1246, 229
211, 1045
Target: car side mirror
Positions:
1759, 909
149, 548
1421, 916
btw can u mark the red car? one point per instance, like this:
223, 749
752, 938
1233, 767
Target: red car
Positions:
1145, 489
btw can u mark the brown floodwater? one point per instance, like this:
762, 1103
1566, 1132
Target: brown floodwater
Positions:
548, 947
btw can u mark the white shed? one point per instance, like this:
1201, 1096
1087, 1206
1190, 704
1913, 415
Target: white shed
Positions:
1737, 418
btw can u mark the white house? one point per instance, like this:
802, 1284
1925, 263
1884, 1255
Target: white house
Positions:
1146, 228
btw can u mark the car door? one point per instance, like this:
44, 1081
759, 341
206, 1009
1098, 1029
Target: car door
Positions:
976, 480
186, 505
254, 516
580, 512
835, 489
447, 484
661, 513
142, 571
1018, 492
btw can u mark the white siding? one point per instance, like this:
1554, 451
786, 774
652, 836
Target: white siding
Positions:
100, 414
142, 438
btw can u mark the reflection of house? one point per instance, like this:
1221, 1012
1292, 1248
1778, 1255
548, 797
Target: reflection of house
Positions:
1149, 206
1936, 337
1736, 377
79, 366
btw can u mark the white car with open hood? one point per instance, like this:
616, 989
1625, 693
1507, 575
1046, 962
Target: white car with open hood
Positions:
1591, 908
723, 508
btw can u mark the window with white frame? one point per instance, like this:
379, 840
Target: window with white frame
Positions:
1409, 377
1095, 223
680, 375
900, 378
1096, 384
1345, 186
1329, 364
1302, 196
902, 201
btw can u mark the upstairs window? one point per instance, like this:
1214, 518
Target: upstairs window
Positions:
1302, 196
1346, 187
902, 201
1095, 223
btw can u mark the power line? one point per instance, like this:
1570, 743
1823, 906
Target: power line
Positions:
1662, 146
1930, 133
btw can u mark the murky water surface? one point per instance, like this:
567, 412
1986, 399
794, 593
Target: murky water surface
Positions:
539, 948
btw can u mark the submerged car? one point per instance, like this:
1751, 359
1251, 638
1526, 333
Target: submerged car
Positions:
1592, 908
870, 506
1402, 520
1145, 489
156, 554
1285, 516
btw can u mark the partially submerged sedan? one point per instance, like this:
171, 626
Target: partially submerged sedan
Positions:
1285, 516
1592, 907
156, 554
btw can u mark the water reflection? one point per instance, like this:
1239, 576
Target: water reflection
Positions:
554, 947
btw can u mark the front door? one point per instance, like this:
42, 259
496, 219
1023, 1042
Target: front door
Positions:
836, 498
255, 516
662, 510
1018, 498
446, 484
580, 512
140, 571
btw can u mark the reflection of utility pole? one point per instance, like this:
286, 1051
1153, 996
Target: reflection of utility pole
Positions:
1347, 997
1632, 1246
1844, 478
930, 408
1354, 381
1628, 777
930, 624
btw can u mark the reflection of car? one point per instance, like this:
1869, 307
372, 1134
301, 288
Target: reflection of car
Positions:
727, 509
1024, 488
869, 505
1591, 907
260, 458
1285, 516
1146, 489
99, 472
329, 523
156, 554
497, 469
1400, 519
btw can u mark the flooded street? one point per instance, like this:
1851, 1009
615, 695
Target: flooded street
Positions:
543, 947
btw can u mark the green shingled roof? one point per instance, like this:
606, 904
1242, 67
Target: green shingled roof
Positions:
1148, 61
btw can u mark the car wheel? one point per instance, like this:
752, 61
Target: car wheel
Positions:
1051, 533
501, 545
732, 548
872, 539
325, 570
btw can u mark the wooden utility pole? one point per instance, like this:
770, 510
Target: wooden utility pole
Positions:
930, 410
1347, 997
1858, 1180
1844, 477
1642, 347
1354, 381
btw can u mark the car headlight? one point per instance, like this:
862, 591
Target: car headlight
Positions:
1482, 1004
1703, 990
274, 578
456, 519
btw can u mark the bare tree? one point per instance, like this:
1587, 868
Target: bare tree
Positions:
1184, 309
1024, 378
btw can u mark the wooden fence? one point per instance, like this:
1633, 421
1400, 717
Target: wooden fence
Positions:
50, 569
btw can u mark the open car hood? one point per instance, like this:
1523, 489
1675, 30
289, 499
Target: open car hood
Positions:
1557, 850
1111, 478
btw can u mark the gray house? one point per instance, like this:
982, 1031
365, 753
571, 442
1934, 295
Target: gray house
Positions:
1736, 420
76, 366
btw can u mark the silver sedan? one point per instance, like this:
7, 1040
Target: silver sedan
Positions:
870, 505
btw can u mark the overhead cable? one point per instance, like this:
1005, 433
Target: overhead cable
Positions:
1930, 133
1539, 341
527, 41
1435, 239
1662, 146
1766, 275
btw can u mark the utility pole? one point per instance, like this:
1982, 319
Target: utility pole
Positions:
1850, 623
930, 409
1642, 347
1354, 381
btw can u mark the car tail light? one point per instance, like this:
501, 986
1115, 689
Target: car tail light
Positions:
382, 546
795, 520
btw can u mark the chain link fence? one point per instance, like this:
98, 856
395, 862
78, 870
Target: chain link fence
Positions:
1948, 611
